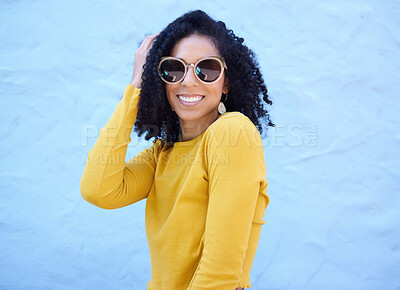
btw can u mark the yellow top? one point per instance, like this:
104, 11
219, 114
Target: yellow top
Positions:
205, 197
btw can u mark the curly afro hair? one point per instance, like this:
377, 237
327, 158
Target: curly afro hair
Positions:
246, 84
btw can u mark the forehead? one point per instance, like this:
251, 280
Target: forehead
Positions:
194, 47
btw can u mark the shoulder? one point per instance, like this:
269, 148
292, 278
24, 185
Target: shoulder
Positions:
232, 117
235, 121
155, 149
233, 128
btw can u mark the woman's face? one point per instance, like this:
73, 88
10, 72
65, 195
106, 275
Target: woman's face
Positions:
204, 111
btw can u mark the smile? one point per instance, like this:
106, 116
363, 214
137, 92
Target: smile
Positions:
190, 100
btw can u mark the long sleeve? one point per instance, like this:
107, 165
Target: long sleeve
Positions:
107, 180
236, 169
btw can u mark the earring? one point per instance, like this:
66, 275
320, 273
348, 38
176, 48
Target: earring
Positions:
221, 106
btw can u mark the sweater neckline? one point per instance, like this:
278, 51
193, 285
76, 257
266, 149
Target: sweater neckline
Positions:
198, 138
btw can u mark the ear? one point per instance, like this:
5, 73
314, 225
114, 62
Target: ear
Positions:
225, 90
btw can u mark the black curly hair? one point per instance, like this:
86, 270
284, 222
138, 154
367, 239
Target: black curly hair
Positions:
246, 84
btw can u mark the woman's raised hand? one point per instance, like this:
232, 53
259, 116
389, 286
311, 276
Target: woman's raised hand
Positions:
140, 59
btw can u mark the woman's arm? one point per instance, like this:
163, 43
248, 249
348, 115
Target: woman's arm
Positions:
107, 181
237, 176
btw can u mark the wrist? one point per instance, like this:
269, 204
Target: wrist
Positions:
136, 84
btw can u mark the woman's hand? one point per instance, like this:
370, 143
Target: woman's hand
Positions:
140, 59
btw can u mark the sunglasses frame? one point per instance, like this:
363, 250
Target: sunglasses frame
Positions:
220, 59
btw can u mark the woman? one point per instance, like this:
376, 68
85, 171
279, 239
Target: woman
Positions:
204, 177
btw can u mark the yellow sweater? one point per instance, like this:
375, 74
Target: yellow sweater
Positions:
205, 197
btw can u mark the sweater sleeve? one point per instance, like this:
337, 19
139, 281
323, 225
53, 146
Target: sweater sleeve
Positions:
237, 179
107, 180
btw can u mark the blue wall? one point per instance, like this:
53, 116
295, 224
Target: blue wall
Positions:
333, 166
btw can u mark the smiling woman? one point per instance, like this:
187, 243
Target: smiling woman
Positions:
197, 90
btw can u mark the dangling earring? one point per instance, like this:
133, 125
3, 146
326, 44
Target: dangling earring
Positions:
221, 106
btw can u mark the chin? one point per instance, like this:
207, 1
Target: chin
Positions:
188, 116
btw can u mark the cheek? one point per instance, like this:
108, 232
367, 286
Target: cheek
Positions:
218, 89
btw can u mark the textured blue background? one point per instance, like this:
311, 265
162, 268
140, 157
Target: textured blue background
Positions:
333, 71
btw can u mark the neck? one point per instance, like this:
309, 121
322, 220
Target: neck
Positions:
194, 128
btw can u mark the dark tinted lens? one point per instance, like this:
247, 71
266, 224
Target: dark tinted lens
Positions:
208, 70
172, 70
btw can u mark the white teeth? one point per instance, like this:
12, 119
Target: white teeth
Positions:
190, 100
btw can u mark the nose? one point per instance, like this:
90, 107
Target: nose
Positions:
190, 79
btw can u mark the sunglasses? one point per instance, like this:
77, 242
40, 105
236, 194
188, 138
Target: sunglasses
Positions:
207, 70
